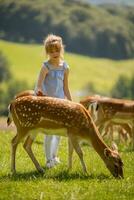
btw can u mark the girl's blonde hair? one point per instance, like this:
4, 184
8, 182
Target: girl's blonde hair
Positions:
53, 42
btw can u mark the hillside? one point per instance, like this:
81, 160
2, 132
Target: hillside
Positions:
97, 31
25, 62
116, 2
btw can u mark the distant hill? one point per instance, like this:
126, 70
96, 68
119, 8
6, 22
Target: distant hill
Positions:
97, 31
121, 2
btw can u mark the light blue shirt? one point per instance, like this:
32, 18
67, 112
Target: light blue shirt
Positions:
53, 85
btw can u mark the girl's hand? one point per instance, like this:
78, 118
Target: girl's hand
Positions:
40, 93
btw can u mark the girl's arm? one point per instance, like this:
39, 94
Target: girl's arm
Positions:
66, 87
41, 78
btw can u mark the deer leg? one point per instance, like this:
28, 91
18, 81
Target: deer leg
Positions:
70, 153
105, 133
27, 146
133, 137
101, 128
123, 134
130, 134
111, 133
78, 150
119, 135
14, 143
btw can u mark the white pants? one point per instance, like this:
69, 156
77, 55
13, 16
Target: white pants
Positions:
51, 143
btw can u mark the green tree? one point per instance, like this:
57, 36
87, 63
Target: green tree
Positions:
5, 73
122, 88
13, 87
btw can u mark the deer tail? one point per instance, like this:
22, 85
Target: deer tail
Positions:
9, 117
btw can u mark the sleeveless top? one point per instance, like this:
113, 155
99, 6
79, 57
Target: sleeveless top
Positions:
53, 85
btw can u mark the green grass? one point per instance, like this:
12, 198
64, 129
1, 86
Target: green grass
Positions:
58, 183
26, 59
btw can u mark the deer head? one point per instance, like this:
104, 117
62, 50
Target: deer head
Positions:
114, 162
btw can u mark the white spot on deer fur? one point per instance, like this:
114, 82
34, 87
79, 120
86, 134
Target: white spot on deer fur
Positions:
28, 124
51, 120
29, 109
29, 118
25, 108
21, 123
83, 124
37, 105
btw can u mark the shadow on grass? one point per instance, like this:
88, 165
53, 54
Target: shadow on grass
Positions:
64, 175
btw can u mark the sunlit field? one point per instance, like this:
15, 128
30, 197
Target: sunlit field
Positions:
25, 62
59, 183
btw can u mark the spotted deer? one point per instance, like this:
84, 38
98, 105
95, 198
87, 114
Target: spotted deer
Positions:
33, 112
105, 110
123, 130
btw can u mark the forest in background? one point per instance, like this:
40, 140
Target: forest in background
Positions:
105, 31
121, 2
97, 31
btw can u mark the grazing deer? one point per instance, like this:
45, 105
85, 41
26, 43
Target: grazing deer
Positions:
32, 112
105, 110
123, 130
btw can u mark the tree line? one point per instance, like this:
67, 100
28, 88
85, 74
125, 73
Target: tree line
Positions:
104, 31
9, 86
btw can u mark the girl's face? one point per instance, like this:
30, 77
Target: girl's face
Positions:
54, 53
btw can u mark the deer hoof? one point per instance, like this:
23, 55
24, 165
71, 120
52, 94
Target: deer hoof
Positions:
41, 170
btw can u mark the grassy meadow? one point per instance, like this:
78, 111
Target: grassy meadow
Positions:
26, 59
59, 183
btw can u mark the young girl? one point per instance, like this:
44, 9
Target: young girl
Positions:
53, 81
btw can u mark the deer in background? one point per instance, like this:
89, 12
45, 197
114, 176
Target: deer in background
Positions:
123, 129
105, 110
33, 112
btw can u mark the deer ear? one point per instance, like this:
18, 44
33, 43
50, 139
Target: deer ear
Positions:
107, 152
114, 147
